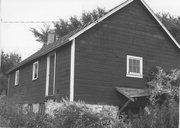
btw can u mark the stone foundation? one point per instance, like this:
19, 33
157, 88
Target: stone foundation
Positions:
49, 106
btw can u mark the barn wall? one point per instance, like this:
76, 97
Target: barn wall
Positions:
100, 56
33, 91
28, 90
63, 71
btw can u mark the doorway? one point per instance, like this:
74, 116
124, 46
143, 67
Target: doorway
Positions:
50, 74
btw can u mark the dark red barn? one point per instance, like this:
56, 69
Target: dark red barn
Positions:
104, 62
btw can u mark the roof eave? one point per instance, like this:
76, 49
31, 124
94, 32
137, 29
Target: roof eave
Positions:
120, 7
14, 68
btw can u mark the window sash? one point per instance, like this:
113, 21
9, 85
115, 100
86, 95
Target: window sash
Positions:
134, 66
35, 70
16, 77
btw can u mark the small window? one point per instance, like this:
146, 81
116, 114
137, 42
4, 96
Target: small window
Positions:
16, 77
134, 66
35, 70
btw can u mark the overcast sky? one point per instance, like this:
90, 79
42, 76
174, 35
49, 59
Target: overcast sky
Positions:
16, 37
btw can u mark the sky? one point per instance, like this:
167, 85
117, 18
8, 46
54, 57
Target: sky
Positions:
16, 37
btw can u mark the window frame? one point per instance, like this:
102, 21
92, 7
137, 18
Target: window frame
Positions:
133, 74
16, 81
33, 71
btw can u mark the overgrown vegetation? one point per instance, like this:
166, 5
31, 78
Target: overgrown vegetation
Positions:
165, 115
163, 110
69, 115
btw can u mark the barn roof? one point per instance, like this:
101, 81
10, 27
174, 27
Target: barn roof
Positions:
72, 35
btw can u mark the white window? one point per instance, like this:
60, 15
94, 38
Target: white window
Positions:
35, 70
16, 77
134, 66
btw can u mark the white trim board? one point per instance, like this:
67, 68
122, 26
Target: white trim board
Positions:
47, 75
54, 83
118, 8
72, 69
48, 71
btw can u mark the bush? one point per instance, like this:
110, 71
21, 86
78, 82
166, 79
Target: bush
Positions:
164, 100
68, 115
160, 116
78, 115
12, 116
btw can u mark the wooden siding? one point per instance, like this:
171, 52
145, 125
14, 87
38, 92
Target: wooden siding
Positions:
30, 91
100, 55
33, 91
63, 71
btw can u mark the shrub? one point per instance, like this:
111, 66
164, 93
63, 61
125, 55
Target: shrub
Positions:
161, 116
78, 115
12, 116
68, 115
164, 108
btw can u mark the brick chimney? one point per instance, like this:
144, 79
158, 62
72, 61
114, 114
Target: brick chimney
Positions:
51, 36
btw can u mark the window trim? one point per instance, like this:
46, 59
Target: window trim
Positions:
132, 74
16, 81
33, 71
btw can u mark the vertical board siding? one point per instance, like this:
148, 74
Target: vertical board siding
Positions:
62, 86
102, 50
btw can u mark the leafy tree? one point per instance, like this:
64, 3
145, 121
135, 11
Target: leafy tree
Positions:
42, 35
63, 27
8, 60
171, 23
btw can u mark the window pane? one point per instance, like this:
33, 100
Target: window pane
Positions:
35, 70
130, 65
134, 66
138, 66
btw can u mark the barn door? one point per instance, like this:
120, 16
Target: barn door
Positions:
50, 74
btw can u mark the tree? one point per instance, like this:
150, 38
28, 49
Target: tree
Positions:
171, 23
63, 27
8, 60
42, 35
